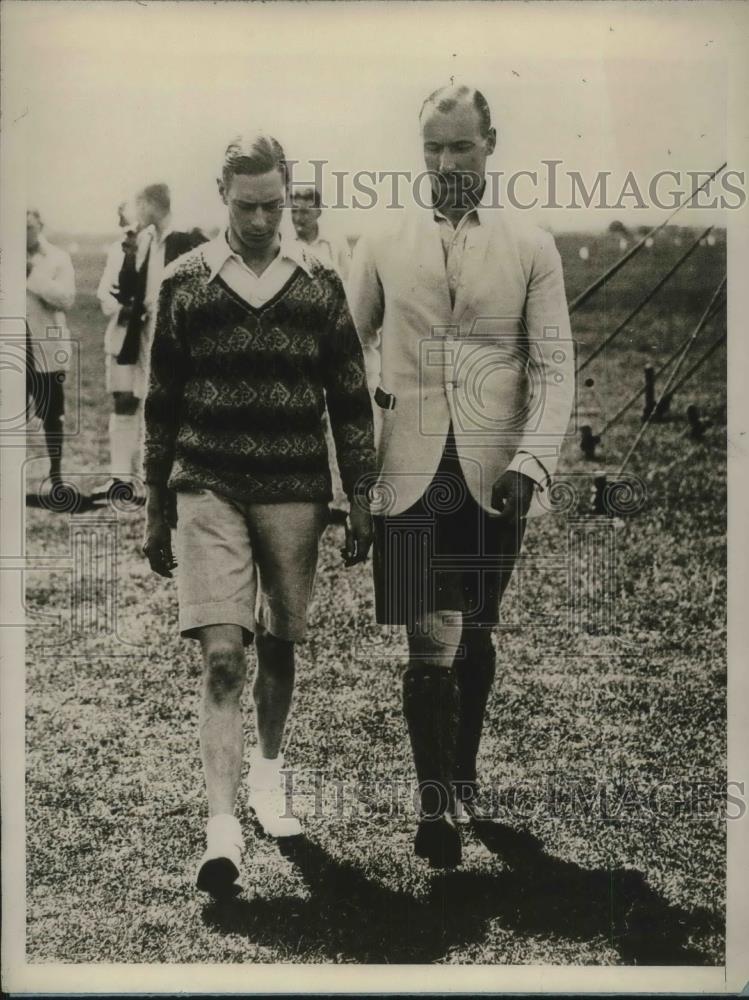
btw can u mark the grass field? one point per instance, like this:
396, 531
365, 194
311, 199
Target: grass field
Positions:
606, 742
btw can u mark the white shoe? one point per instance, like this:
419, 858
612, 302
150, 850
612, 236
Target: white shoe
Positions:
267, 797
219, 867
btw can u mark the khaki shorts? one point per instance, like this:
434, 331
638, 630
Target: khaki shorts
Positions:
251, 565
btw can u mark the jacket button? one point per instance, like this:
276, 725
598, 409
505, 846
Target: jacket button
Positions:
450, 386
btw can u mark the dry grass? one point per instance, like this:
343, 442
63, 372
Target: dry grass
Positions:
115, 807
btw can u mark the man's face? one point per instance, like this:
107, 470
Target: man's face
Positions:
33, 231
146, 214
455, 152
255, 203
124, 213
304, 215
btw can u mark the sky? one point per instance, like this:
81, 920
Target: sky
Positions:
120, 94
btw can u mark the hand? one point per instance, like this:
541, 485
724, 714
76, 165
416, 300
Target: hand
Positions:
162, 502
511, 496
161, 517
157, 547
358, 536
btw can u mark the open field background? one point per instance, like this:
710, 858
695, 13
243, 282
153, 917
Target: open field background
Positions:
608, 715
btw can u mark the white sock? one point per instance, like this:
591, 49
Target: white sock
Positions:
263, 770
124, 432
224, 830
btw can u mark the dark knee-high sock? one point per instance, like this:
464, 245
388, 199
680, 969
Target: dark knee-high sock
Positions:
430, 706
475, 677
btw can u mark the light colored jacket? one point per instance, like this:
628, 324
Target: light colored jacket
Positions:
499, 364
114, 335
50, 291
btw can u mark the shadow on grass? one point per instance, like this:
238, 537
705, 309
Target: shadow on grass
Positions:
351, 918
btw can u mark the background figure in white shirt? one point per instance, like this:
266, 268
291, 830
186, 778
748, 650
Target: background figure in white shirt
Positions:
145, 251
50, 291
123, 420
306, 209
334, 253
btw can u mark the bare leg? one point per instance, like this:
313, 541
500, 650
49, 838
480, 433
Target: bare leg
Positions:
272, 691
434, 640
224, 673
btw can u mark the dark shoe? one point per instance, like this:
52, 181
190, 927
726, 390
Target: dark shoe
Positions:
430, 706
217, 877
218, 869
438, 840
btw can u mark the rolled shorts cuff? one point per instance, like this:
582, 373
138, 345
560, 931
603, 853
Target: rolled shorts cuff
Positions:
292, 628
197, 616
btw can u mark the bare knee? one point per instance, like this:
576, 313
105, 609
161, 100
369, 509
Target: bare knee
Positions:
225, 671
433, 640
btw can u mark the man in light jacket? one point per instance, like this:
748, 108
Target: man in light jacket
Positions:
50, 293
123, 420
464, 324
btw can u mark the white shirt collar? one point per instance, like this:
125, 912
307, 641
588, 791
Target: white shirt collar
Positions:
217, 251
154, 236
481, 209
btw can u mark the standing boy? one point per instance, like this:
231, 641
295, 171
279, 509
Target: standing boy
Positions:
253, 339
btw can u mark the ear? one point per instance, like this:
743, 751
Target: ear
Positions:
221, 189
491, 141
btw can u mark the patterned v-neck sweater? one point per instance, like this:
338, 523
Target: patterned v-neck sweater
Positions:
237, 394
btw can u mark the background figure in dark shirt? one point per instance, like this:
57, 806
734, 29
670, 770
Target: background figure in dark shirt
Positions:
147, 247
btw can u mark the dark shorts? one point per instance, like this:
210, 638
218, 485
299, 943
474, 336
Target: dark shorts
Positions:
45, 391
445, 553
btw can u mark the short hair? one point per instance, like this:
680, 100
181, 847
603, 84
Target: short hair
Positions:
157, 195
253, 154
308, 192
445, 98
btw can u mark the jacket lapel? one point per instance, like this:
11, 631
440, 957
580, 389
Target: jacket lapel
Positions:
431, 257
474, 270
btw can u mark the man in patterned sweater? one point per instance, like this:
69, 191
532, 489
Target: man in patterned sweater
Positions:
252, 338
